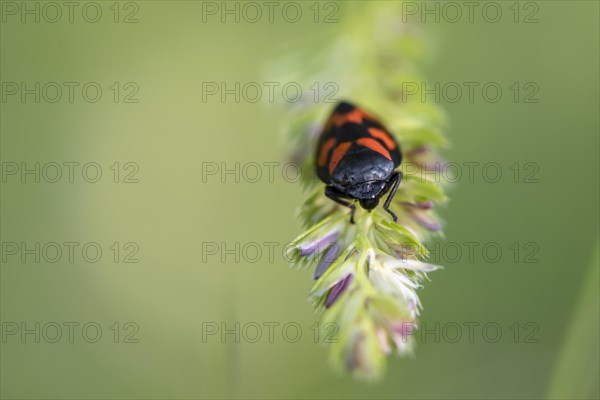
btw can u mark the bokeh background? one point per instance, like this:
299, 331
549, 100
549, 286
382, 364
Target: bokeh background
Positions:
175, 287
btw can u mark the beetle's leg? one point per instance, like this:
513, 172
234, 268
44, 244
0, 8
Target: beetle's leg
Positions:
340, 198
394, 182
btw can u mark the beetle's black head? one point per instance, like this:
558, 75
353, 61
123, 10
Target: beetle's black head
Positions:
367, 193
369, 204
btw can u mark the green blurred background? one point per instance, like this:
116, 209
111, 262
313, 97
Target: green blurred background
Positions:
170, 132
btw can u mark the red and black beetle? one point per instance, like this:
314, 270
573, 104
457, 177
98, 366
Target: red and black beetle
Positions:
357, 157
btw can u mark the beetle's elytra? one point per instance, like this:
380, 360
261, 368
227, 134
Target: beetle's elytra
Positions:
357, 157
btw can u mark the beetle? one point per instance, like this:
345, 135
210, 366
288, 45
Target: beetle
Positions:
356, 158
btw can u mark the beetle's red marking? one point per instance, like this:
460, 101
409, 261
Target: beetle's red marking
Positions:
375, 146
356, 116
337, 155
325, 150
384, 136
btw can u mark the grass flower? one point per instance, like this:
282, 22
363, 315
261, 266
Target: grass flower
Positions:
368, 273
